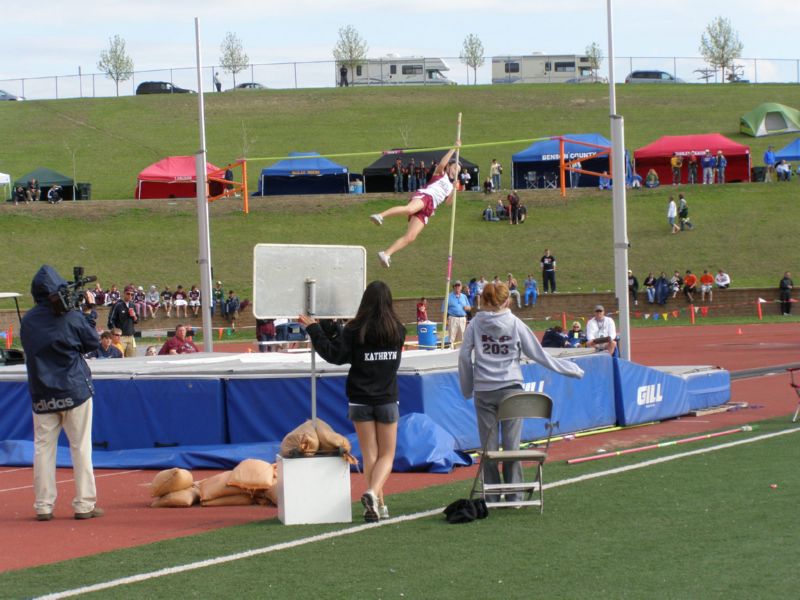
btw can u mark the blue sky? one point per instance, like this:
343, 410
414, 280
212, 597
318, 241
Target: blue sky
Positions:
160, 34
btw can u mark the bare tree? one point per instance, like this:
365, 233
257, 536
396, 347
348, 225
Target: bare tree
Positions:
233, 58
472, 55
720, 44
115, 62
350, 49
595, 56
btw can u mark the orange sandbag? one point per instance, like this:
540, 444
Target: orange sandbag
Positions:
217, 487
236, 500
171, 480
180, 499
302, 440
330, 441
253, 474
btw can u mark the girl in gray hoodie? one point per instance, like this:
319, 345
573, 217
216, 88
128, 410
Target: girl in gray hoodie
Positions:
489, 368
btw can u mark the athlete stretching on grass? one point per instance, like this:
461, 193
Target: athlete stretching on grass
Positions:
423, 204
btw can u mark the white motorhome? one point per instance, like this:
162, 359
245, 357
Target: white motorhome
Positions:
393, 69
541, 68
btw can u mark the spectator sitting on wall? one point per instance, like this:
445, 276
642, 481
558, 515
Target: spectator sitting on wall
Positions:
722, 280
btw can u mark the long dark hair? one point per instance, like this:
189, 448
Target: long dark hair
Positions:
376, 323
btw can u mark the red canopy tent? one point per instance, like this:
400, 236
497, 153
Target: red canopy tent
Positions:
657, 155
173, 177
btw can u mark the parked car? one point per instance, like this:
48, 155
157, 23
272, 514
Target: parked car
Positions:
587, 80
6, 96
250, 85
160, 87
651, 77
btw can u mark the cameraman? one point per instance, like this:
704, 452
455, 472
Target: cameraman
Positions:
122, 316
59, 380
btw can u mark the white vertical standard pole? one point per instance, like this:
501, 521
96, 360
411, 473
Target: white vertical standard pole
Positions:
311, 310
452, 235
620, 218
204, 238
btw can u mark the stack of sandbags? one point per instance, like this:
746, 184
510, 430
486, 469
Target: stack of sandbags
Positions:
215, 491
302, 441
173, 488
256, 477
330, 441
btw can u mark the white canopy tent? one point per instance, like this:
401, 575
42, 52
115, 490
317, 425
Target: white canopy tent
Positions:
5, 183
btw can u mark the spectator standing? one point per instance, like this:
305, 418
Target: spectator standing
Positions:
178, 343
122, 316
372, 343
489, 371
689, 286
722, 280
548, 264
785, 288
496, 171
720, 165
343, 76
411, 169
217, 82
422, 175
769, 164
422, 310
106, 348
575, 176
265, 332
672, 215
232, 305
481, 283
464, 179
692, 168
472, 292
513, 207
397, 174
457, 308
683, 213
531, 290
633, 287
708, 163
60, 386
601, 331
676, 162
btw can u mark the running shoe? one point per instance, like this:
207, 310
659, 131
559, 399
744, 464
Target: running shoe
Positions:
377, 219
370, 503
384, 512
385, 259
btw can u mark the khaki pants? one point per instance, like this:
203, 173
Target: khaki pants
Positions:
455, 329
129, 344
77, 424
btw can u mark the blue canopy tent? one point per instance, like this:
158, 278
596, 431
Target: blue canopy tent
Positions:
790, 152
295, 176
538, 165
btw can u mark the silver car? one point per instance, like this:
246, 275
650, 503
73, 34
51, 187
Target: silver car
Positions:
652, 77
6, 96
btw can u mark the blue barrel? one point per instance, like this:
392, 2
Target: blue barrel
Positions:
426, 335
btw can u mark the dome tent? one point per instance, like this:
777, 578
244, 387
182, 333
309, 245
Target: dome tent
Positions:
770, 118
173, 177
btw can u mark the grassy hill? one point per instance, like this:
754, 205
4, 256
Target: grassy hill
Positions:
746, 228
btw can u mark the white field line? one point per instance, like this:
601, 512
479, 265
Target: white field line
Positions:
359, 528
28, 487
15, 470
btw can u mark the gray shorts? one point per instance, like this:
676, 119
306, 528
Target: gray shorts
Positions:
382, 413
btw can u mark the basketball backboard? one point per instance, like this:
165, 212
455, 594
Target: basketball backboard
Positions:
281, 273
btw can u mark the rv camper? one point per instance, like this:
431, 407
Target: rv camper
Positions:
393, 69
540, 68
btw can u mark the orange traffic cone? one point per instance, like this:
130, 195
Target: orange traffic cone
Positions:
739, 331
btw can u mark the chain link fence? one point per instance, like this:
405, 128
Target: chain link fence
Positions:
325, 73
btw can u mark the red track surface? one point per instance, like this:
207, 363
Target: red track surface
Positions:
130, 522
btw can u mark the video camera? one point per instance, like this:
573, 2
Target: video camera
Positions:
71, 296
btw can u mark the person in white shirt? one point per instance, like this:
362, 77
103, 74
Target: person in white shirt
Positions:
722, 280
672, 215
601, 331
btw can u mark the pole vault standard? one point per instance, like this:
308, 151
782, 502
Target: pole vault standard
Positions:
204, 237
452, 235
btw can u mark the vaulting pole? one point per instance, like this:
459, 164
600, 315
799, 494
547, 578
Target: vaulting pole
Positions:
452, 236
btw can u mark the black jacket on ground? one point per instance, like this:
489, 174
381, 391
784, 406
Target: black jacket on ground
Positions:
373, 372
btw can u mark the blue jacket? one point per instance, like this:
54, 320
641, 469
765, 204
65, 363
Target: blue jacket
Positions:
58, 377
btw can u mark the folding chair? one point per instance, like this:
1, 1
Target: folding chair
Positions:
531, 181
517, 405
550, 181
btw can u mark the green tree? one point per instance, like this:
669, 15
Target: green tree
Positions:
233, 58
115, 62
472, 55
350, 49
720, 45
595, 56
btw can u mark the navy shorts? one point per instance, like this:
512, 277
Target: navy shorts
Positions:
382, 413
